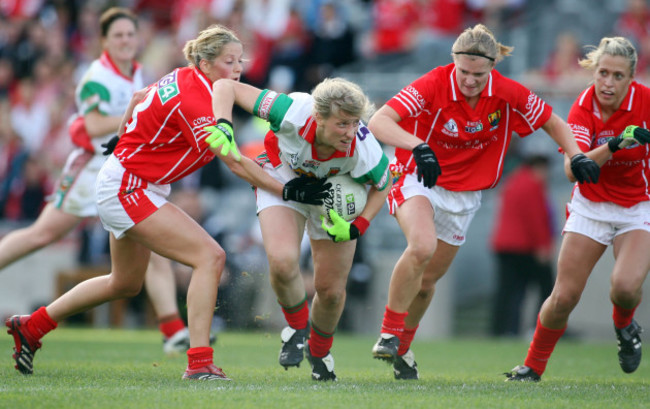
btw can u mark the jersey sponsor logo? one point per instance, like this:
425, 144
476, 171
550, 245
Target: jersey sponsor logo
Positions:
494, 119
167, 87
450, 128
471, 144
313, 164
473, 127
458, 237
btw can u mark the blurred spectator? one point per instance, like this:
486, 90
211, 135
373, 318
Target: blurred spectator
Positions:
394, 32
26, 196
522, 242
332, 44
497, 14
561, 72
634, 23
291, 48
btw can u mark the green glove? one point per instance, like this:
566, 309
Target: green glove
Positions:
221, 135
632, 134
341, 230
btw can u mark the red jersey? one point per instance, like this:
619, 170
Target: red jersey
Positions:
625, 178
470, 144
164, 140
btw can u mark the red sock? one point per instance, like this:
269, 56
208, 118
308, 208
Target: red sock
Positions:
170, 325
393, 322
320, 342
297, 316
199, 357
405, 340
40, 323
622, 316
541, 348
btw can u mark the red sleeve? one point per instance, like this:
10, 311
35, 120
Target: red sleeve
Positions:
533, 111
416, 96
581, 125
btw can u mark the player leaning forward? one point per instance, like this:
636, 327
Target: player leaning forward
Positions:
314, 136
462, 114
164, 141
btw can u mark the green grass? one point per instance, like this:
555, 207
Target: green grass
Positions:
85, 368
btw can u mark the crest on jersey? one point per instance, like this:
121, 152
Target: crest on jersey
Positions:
450, 128
494, 118
167, 87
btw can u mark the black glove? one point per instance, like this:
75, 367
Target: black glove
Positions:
584, 169
109, 146
428, 166
306, 190
631, 135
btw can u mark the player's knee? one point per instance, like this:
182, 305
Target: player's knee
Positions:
283, 267
124, 288
331, 297
421, 252
625, 293
563, 302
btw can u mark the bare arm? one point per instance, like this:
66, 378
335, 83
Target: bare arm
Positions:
384, 124
99, 125
227, 93
376, 199
560, 132
137, 97
250, 172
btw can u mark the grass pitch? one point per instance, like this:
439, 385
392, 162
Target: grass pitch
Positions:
90, 368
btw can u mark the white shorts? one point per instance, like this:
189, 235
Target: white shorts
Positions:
123, 199
312, 213
75, 188
603, 221
453, 211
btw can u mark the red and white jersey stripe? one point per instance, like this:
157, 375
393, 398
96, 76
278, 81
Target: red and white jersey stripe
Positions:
164, 140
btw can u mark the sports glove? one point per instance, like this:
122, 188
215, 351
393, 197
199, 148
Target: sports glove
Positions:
341, 230
630, 135
428, 166
109, 146
584, 169
221, 135
306, 190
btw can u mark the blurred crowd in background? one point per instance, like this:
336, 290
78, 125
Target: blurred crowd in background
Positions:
290, 45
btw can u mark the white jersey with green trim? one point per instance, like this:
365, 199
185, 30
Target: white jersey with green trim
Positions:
104, 88
291, 142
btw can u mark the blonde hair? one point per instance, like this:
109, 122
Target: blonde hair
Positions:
333, 95
613, 46
480, 42
209, 44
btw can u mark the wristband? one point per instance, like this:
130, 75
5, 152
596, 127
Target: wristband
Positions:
361, 223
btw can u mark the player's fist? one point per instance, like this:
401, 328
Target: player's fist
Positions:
585, 170
427, 163
221, 135
632, 134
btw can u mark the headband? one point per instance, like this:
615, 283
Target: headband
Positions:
475, 54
